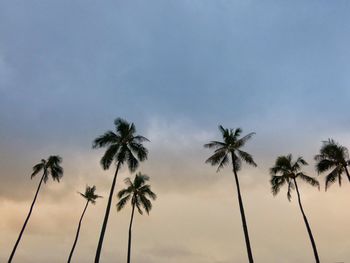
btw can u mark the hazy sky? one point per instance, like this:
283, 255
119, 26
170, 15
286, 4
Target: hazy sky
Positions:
177, 69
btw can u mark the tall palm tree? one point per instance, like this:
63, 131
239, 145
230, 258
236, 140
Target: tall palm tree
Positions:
137, 192
90, 197
230, 148
286, 172
334, 157
123, 146
51, 166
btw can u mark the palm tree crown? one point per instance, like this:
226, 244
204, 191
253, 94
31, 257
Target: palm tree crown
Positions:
51, 166
286, 171
334, 158
232, 144
122, 145
90, 195
139, 192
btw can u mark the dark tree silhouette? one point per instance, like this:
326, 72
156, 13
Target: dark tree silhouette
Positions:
230, 148
90, 197
137, 192
52, 167
286, 172
334, 158
123, 146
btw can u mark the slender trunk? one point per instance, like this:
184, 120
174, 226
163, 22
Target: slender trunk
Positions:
244, 222
307, 224
130, 226
77, 235
26, 221
347, 173
105, 220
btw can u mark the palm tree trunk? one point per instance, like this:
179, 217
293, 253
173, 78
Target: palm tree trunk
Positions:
77, 235
105, 220
130, 226
244, 222
307, 224
347, 173
26, 221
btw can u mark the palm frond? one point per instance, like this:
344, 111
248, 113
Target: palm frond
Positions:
37, 168
246, 157
241, 142
122, 202
290, 188
310, 180
332, 177
106, 139
109, 155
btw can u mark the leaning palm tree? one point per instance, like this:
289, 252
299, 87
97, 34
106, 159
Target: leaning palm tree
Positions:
123, 146
90, 197
51, 166
230, 148
286, 172
137, 192
334, 158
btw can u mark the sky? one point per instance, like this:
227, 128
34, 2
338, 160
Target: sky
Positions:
177, 69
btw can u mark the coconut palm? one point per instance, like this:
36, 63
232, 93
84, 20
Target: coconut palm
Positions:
286, 172
90, 197
137, 192
334, 158
51, 166
230, 150
123, 146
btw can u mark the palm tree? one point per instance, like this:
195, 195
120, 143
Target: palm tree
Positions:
286, 171
51, 166
333, 157
230, 148
123, 146
138, 192
90, 197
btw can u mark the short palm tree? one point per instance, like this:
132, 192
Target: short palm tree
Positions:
137, 192
286, 172
90, 197
123, 146
334, 158
51, 166
230, 148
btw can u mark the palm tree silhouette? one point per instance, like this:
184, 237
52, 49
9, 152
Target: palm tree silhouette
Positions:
333, 157
90, 197
123, 146
286, 171
231, 148
137, 192
52, 167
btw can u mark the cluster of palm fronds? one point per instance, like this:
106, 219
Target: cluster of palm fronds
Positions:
125, 147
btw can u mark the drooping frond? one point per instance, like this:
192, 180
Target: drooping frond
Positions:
276, 183
310, 180
109, 156
290, 188
332, 177
246, 157
106, 139
37, 168
219, 158
123, 201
